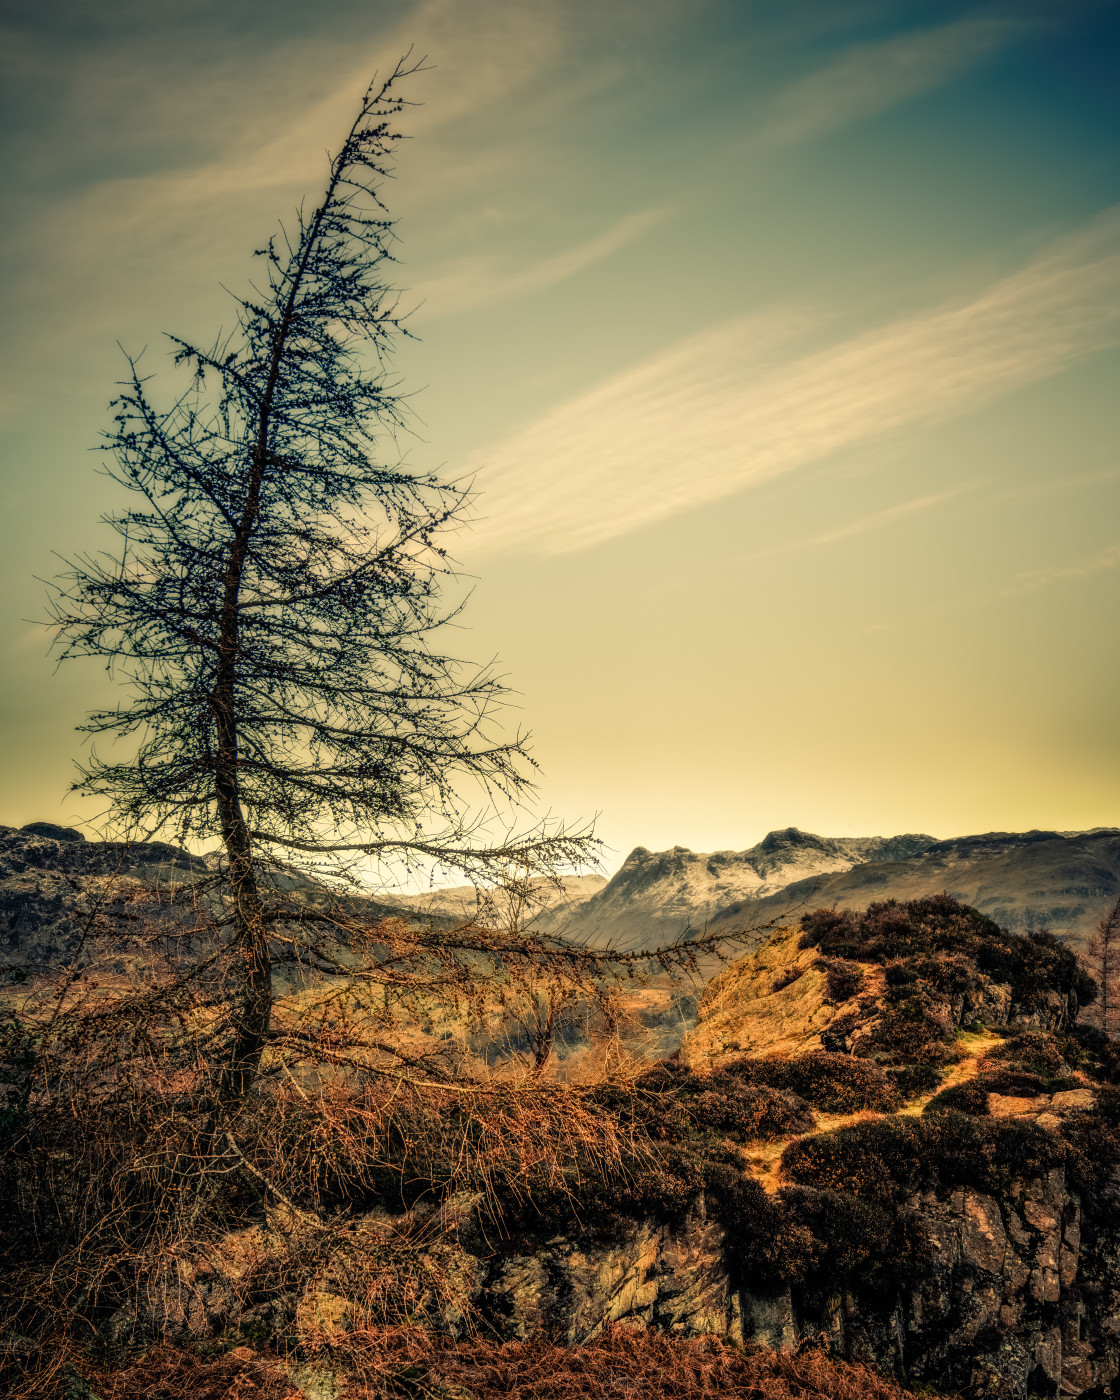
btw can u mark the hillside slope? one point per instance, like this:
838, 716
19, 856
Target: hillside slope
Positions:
53, 883
1023, 880
888, 1137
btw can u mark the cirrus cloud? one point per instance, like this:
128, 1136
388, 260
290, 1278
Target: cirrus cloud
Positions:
731, 407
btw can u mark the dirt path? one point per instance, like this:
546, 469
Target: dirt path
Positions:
765, 1159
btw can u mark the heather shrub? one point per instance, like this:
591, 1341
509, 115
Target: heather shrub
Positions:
669, 1103
971, 1097
1037, 1053
919, 930
882, 1161
763, 1246
852, 1236
810, 1236
1108, 1106
833, 1082
1094, 1158
663, 1183
912, 1081
875, 1161
895, 929
988, 1154
949, 973
847, 1233
843, 980
915, 1027
1015, 1083
749, 1112
1100, 1054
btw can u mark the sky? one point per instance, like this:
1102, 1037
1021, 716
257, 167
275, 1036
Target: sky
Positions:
781, 343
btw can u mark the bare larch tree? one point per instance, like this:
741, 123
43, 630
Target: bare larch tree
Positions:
274, 592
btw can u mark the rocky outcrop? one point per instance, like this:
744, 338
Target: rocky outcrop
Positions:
670, 1277
780, 1000
56, 887
1005, 1305
1012, 1298
1009, 1297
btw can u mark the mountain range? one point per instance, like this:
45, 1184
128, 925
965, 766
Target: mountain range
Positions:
1062, 881
659, 896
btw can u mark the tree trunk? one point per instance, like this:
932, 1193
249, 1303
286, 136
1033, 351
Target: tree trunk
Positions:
253, 1011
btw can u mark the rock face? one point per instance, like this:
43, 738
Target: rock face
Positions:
53, 881
1017, 1299
1019, 1295
671, 1278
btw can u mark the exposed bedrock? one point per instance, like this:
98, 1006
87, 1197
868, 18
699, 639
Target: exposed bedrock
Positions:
1016, 1297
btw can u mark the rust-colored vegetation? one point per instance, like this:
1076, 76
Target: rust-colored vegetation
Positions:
622, 1364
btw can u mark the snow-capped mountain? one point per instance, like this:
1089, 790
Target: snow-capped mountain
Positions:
657, 896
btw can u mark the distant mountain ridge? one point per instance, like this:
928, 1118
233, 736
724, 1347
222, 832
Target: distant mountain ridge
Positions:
1059, 880
656, 896
540, 895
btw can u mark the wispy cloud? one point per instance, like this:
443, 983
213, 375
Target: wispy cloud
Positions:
484, 280
870, 78
1030, 582
98, 251
877, 520
730, 408
1058, 485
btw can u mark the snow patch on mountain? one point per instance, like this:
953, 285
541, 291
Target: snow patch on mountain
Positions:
657, 896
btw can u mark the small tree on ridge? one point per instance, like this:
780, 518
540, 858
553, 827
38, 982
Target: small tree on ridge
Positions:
1103, 960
